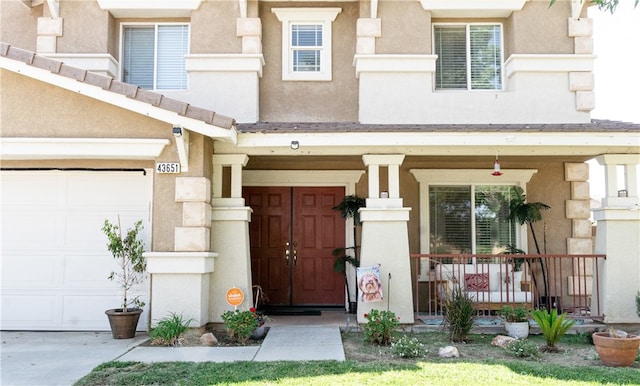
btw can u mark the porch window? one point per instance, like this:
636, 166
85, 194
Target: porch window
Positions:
470, 219
153, 56
469, 56
306, 42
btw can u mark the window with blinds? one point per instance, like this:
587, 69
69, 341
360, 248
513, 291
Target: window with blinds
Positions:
470, 219
306, 46
306, 42
469, 56
153, 56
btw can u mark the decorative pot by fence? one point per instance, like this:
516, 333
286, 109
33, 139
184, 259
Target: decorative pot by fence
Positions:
123, 323
616, 352
518, 330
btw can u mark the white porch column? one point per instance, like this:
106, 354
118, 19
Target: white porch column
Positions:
617, 237
385, 241
229, 237
180, 279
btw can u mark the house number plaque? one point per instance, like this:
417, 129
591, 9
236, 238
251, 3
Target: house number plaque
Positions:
167, 167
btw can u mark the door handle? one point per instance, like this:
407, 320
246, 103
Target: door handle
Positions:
287, 253
295, 255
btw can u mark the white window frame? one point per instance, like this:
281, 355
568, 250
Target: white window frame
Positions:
295, 16
428, 177
468, 56
155, 49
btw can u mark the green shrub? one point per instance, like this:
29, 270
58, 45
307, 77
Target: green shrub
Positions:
379, 326
240, 324
169, 330
552, 326
459, 314
406, 347
514, 314
523, 348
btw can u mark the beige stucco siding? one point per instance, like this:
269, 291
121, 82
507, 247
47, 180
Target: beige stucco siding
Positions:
85, 28
335, 100
213, 28
406, 28
18, 24
539, 29
32, 108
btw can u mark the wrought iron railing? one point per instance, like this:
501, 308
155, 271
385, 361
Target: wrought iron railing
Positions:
568, 283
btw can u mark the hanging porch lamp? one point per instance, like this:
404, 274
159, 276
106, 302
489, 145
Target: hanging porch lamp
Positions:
496, 168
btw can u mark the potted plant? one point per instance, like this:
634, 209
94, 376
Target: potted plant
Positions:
516, 321
516, 263
348, 208
127, 252
616, 348
527, 213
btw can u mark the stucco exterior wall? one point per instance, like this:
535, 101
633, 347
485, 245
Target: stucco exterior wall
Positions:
18, 24
85, 27
539, 29
213, 28
335, 100
406, 28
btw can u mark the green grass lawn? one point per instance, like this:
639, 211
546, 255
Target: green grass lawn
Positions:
374, 366
355, 373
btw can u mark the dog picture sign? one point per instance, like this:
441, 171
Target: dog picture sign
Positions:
369, 284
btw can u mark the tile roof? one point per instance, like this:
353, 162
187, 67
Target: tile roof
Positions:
595, 126
109, 84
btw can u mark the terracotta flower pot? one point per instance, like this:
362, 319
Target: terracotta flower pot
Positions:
616, 352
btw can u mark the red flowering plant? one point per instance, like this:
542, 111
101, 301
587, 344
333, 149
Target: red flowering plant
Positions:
240, 324
379, 326
260, 317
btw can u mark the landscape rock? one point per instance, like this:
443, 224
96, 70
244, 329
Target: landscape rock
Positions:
208, 339
448, 352
502, 341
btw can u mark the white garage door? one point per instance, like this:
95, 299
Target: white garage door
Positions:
54, 257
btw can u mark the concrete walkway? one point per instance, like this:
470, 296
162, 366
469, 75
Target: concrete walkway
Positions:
281, 344
57, 358
61, 358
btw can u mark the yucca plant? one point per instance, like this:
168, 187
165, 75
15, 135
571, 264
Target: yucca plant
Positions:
552, 326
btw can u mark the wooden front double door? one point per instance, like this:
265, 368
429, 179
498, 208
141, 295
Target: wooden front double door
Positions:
293, 231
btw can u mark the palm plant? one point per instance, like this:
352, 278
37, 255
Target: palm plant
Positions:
527, 213
349, 208
552, 326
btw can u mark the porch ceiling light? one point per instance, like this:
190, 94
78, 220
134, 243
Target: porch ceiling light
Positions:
295, 145
496, 168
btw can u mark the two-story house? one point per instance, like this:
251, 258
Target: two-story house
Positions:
233, 127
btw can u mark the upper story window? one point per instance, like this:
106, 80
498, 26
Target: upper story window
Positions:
153, 55
469, 56
306, 42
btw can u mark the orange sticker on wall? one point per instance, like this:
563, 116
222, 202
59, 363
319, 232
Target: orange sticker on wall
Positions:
235, 296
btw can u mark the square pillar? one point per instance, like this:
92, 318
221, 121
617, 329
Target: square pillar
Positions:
617, 237
385, 241
180, 284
